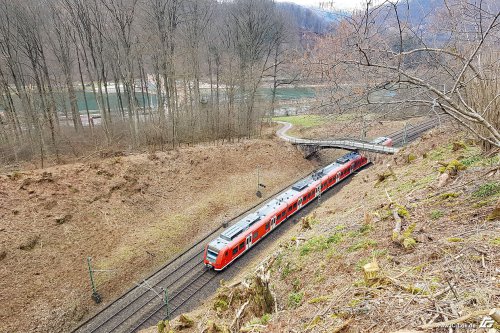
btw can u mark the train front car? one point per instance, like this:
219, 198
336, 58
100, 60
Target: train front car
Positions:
384, 141
240, 237
214, 251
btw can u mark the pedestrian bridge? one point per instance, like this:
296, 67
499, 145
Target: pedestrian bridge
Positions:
347, 144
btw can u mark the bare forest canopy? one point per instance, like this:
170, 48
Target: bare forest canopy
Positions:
78, 76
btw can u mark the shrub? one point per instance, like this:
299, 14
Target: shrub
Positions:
294, 299
266, 317
435, 214
334, 239
487, 190
449, 195
314, 244
220, 305
455, 239
318, 299
363, 244
402, 211
411, 157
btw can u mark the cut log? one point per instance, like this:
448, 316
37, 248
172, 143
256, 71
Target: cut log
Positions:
495, 315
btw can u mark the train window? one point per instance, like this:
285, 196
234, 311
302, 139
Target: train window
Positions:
242, 245
225, 254
294, 205
283, 214
305, 198
235, 250
255, 235
267, 226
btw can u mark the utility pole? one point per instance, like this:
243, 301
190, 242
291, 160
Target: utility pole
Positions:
434, 110
95, 295
259, 185
165, 299
404, 134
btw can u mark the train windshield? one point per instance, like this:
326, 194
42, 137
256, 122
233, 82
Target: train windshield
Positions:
212, 255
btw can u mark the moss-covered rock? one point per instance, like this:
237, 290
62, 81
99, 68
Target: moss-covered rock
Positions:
452, 167
495, 214
410, 158
163, 326
213, 327
220, 304
449, 195
184, 322
458, 145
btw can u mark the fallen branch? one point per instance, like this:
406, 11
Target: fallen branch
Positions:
343, 326
236, 320
252, 328
459, 320
396, 232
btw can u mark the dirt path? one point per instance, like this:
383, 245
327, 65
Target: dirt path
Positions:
350, 144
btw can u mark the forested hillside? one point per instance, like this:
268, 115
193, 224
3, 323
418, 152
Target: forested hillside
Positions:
153, 74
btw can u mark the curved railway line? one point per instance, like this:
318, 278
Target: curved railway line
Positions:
185, 275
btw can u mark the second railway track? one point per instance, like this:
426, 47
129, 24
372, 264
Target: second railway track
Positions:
183, 277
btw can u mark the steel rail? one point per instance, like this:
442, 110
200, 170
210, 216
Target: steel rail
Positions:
160, 307
83, 326
148, 300
409, 134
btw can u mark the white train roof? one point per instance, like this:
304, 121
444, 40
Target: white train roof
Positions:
274, 204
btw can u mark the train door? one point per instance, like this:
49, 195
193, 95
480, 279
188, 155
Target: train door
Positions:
273, 223
338, 177
318, 190
352, 168
299, 204
249, 241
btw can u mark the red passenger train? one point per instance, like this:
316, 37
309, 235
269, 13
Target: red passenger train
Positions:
241, 236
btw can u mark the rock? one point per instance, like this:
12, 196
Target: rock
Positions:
184, 322
213, 327
25, 183
163, 326
30, 243
64, 219
495, 214
457, 145
50, 204
443, 179
410, 158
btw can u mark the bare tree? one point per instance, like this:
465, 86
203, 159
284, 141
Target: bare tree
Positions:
456, 72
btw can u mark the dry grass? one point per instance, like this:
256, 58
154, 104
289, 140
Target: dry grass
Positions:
130, 213
449, 269
344, 125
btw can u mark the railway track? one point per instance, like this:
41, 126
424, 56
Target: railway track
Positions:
183, 277
404, 136
143, 305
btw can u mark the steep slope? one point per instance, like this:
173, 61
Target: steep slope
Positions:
441, 265
129, 213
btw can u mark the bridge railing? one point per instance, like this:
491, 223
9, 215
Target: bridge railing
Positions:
349, 144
